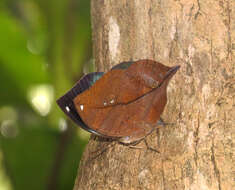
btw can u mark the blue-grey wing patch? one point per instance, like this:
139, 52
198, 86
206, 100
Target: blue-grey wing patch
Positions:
86, 82
123, 65
66, 101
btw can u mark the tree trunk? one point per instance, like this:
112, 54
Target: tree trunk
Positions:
197, 152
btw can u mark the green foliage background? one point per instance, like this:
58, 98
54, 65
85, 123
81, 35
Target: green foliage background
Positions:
42, 42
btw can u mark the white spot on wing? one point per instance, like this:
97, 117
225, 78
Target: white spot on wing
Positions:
112, 101
67, 108
105, 103
81, 107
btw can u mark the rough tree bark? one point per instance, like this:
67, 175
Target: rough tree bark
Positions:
198, 151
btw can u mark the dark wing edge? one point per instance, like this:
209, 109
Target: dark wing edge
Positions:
66, 101
86, 82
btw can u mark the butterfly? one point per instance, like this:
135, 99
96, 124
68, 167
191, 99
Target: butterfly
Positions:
124, 103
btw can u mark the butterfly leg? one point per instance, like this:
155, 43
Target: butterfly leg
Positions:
150, 148
99, 152
133, 145
162, 123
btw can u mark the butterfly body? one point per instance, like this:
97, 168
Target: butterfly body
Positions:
124, 103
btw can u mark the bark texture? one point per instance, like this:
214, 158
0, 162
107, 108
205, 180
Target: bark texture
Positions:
198, 151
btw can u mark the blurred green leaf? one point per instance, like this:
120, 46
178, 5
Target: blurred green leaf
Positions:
29, 158
42, 43
19, 69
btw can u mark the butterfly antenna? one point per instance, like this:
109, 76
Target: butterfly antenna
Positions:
99, 152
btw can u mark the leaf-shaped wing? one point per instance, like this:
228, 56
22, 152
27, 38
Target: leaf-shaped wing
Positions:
139, 95
136, 118
122, 86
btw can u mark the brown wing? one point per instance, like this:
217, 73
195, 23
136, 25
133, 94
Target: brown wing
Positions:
121, 86
132, 118
126, 119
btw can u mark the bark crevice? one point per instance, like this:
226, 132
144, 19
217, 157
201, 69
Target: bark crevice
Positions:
216, 170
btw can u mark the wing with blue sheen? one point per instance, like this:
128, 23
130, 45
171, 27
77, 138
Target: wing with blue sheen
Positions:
66, 101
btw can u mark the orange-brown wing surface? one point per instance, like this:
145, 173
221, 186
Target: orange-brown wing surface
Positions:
121, 86
126, 102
